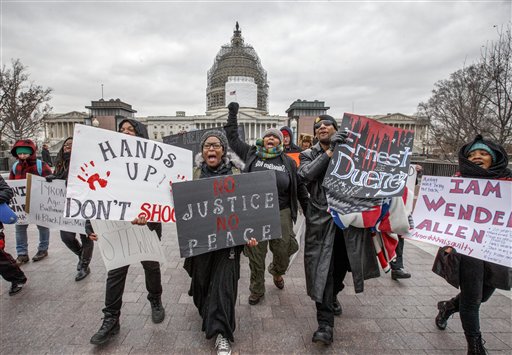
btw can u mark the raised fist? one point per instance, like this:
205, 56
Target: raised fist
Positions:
233, 108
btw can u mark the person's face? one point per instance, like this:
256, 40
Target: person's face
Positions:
306, 145
270, 141
127, 128
286, 139
67, 146
480, 158
212, 152
324, 131
23, 156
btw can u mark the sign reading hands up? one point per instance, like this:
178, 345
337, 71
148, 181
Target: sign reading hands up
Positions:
118, 177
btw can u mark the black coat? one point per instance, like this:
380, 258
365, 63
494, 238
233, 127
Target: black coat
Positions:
321, 231
5, 194
247, 153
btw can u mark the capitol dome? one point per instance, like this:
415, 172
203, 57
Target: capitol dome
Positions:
236, 59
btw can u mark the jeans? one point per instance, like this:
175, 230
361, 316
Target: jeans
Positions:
22, 241
473, 292
116, 280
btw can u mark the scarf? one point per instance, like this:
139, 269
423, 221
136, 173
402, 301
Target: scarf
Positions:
498, 169
265, 153
222, 169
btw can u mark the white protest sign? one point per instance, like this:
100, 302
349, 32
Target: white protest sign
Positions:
19, 188
45, 205
122, 243
118, 177
473, 216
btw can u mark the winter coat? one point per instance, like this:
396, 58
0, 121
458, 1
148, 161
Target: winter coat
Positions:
495, 275
62, 163
46, 157
248, 154
29, 165
292, 148
5, 197
321, 230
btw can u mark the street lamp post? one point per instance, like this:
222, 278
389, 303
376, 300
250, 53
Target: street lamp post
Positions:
293, 126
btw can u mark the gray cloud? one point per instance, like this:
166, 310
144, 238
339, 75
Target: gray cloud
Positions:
374, 57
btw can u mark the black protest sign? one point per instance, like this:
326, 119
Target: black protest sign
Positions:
192, 140
372, 163
225, 211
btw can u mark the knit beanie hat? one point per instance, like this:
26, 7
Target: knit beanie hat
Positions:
215, 133
325, 118
274, 132
479, 145
23, 150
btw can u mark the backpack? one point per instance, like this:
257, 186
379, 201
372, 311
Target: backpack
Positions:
39, 164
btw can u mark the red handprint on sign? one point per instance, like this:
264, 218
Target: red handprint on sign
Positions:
92, 179
178, 178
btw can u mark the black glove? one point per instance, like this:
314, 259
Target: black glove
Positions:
50, 178
233, 110
338, 138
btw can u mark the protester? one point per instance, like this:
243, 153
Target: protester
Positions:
45, 155
306, 141
397, 265
479, 159
214, 285
116, 278
325, 257
267, 155
25, 152
289, 146
9, 269
84, 249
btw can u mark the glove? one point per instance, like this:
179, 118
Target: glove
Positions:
338, 138
233, 110
50, 178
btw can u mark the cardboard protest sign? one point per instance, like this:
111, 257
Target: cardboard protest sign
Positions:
225, 211
122, 243
45, 205
19, 188
117, 176
192, 140
474, 216
372, 163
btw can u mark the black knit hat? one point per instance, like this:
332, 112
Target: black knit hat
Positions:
215, 133
325, 118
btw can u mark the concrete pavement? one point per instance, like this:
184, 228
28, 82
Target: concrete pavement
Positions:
53, 314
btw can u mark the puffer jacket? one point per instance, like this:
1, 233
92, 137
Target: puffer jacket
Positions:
29, 165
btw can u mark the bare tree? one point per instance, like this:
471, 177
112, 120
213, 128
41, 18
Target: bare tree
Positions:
22, 103
496, 63
457, 110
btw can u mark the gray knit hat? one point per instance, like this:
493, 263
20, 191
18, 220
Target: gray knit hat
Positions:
274, 132
215, 133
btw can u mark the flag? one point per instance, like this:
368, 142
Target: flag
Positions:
232, 92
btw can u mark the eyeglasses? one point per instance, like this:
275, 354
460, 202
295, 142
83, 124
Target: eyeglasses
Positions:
216, 146
326, 123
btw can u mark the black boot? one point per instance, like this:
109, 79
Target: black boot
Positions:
108, 329
157, 310
336, 307
476, 345
85, 259
323, 335
446, 309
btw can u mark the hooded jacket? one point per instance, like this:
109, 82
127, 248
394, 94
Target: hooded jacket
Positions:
495, 275
29, 165
292, 148
62, 163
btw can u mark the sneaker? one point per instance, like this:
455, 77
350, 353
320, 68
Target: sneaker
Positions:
222, 345
41, 254
16, 287
22, 259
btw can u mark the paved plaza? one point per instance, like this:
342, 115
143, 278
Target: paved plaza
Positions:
53, 314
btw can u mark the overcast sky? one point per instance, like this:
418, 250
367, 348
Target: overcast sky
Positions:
367, 58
